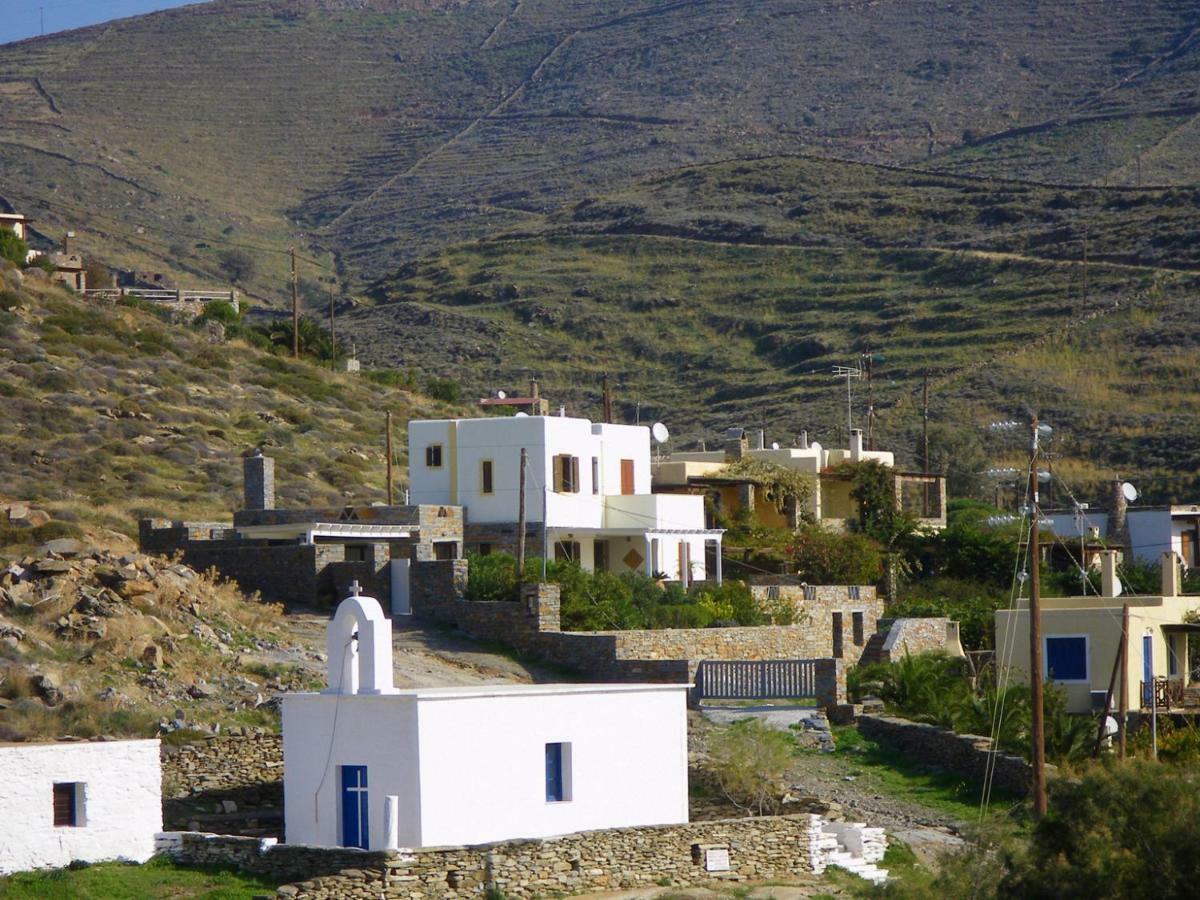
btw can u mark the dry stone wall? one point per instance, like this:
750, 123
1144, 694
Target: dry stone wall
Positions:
223, 763
699, 853
967, 754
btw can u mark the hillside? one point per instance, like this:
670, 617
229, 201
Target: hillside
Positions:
725, 294
112, 413
373, 132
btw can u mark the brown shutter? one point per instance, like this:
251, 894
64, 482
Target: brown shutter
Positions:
64, 804
627, 476
574, 474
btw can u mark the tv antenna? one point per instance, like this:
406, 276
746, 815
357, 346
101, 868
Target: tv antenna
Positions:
849, 373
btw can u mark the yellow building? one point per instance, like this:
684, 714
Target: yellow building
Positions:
1081, 641
829, 502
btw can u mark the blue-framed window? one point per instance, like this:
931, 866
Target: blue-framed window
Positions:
355, 821
558, 772
1067, 657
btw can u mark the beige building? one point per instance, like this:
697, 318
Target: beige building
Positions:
699, 472
1081, 640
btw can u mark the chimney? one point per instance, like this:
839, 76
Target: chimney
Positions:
1170, 575
736, 445
69, 243
258, 481
1118, 526
533, 388
757, 436
856, 442
804, 440
1109, 585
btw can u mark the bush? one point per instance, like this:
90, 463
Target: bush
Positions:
220, 311
445, 389
406, 380
969, 603
237, 264
826, 557
749, 761
12, 247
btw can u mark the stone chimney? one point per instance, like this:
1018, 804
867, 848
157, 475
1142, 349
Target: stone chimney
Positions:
1110, 586
736, 445
804, 440
856, 444
1118, 526
1171, 575
69, 243
533, 388
258, 481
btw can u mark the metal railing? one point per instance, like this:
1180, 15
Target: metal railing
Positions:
771, 679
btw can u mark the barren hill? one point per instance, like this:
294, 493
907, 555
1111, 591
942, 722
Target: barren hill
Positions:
374, 132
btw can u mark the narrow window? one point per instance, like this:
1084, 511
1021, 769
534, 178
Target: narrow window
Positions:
858, 626
837, 635
487, 476
445, 550
566, 551
595, 474
558, 772
566, 474
433, 456
68, 800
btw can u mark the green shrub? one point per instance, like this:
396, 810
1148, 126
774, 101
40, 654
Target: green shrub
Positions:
12, 247
220, 311
445, 389
749, 761
822, 556
406, 380
9, 300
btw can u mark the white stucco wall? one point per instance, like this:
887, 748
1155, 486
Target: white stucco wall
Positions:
121, 809
468, 764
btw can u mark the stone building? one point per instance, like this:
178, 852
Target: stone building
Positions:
310, 556
368, 765
88, 801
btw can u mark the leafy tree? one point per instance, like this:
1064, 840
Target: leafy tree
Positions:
749, 761
781, 486
822, 556
873, 488
12, 247
220, 311
445, 389
237, 264
314, 340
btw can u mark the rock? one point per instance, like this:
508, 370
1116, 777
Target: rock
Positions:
48, 689
137, 587
21, 515
62, 546
51, 566
202, 691
228, 806
153, 656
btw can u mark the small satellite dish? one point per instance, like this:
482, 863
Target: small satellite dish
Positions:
500, 395
660, 433
774, 445
1130, 492
521, 415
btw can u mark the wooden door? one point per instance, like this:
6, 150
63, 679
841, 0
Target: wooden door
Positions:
627, 476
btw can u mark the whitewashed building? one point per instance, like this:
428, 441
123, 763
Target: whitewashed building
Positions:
369, 765
587, 493
90, 801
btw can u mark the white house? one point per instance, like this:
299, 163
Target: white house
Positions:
1152, 530
587, 489
368, 765
90, 801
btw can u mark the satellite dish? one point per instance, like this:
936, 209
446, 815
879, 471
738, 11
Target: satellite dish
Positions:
521, 415
1130, 492
500, 395
774, 445
660, 433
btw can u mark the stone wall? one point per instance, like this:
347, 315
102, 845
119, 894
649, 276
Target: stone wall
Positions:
966, 754
817, 608
221, 763
661, 655
622, 858
914, 636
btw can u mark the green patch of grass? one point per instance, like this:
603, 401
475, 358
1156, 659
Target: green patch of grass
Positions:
158, 878
900, 777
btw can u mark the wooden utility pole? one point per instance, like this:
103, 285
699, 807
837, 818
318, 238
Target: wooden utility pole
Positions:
1037, 732
925, 440
389, 457
1085, 263
867, 357
295, 309
521, 524
1123, 694
606, 402
332, 334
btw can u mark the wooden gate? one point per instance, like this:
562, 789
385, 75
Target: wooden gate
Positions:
768, 679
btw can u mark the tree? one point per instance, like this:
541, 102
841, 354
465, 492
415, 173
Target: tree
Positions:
826, 557
12, 247
237, 264
749, 761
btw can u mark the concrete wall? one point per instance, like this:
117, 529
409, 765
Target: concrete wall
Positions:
120, 812
443, 752
758, 848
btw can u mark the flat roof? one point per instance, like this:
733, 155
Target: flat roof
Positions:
464, 692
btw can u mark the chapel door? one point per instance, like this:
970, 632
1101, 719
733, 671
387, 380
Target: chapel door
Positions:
355, 822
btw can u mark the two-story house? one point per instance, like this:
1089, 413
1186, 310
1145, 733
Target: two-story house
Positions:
587, 493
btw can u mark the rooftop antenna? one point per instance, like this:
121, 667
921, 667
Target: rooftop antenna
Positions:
849, 373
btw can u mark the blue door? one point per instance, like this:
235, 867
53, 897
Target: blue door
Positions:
354, 807
1147, 669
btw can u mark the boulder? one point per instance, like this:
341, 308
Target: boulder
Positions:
51, 566
22, 516
62, 547
153, 656
202, 691
48, 688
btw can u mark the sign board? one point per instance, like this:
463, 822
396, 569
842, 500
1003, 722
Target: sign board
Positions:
716, 860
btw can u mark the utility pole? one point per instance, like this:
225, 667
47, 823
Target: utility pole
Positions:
867, 364
389, 457
1035, 632
606, 401
1123, 701
295, 309
1139, 165
521, 525
925, 437
332, 334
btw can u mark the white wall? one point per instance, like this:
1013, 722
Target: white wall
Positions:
1151, 534
376, 731
487, 755
122, 808
479, 772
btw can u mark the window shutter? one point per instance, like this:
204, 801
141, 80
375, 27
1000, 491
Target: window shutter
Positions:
64, 804
558, 473
574, 474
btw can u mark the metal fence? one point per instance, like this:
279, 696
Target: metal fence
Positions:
769, 679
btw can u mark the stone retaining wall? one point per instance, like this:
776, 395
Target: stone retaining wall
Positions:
226, 762
967, 754
915, 636
762, 848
